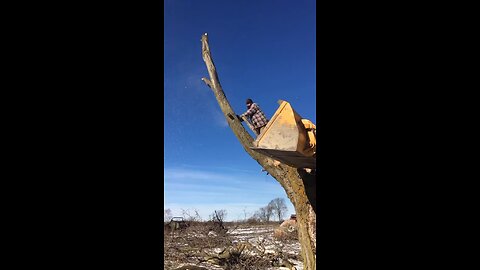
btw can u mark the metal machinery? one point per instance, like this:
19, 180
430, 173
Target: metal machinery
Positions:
288, 138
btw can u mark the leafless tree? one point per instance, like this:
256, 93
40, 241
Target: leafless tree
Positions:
299, 186
269, 212
218, 215
188, 216
167, 215
261, 214
278, 207
264, 213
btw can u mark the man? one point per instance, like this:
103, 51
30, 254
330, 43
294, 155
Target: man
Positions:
256, 116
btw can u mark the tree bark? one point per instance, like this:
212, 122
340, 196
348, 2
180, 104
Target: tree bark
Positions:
289, 178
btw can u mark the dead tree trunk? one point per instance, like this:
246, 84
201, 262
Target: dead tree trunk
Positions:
289, 178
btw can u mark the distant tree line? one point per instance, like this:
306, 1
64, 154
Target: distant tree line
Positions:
276, 208
188, 215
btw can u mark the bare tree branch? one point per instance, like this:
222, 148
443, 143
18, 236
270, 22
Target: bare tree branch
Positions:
207, 82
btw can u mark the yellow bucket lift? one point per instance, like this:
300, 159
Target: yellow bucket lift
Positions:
288, 138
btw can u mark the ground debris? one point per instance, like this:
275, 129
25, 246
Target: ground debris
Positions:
245, 247
191, 267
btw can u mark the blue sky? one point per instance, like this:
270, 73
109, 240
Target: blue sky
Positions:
264, 50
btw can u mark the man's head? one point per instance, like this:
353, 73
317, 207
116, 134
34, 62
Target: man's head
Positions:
249, 102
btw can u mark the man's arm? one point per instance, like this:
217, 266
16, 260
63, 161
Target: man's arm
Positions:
250, 111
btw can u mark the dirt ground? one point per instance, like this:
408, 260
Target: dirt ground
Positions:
242, 247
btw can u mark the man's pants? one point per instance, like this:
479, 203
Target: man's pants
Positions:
259, 130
